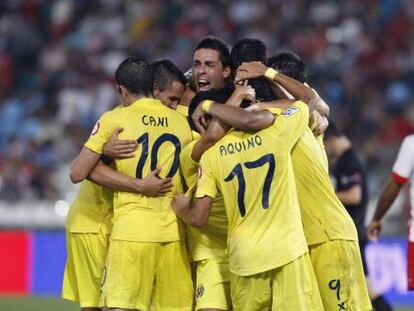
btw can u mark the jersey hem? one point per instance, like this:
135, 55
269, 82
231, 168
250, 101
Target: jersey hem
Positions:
270, 267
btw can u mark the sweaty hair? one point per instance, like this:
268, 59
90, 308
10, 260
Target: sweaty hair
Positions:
289, 64
332, 130
165, 73
136, 76
217, 44
219, 96
250, 50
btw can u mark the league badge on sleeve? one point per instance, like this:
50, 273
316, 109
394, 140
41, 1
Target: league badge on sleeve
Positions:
95, 128
290, 111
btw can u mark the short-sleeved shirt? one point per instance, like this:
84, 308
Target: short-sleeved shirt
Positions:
323, 215
161, 133
403, 171
91, 210
183, 110
348, 172
254, 173
209, 241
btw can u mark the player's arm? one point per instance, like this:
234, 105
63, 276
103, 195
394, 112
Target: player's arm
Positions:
195, 214
116, 148
83, 164
238, 117
401, 172
351, 196
279, 92
93, 149
216, 130
241, 92
151, 185
385, 201
298, 90
318, 123
87, 158
351, 193
321, 106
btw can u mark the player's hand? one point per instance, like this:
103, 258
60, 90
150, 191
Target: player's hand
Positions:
153, 186
244, 92
320, 123
374, 230
200, 119
116, 148
250, 70
254, 107
181, 204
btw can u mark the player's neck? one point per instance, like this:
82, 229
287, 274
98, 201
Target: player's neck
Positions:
130, 99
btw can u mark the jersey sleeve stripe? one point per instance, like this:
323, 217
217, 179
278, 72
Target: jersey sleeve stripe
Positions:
399, 179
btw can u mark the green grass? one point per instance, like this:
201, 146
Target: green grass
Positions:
16, 303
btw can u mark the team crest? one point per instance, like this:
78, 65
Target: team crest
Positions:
96, 128
199, 292
290, 111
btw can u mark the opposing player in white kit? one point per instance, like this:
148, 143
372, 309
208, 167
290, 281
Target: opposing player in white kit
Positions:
402, 173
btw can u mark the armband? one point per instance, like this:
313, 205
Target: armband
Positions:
205, 107
271, 73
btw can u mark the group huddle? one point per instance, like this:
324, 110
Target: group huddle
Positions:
211, 191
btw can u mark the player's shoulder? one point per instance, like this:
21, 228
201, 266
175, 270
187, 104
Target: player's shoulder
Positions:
299, 104
183, 110
210, 154
113, 113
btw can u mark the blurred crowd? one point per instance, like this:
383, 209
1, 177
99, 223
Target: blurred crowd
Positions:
57, 59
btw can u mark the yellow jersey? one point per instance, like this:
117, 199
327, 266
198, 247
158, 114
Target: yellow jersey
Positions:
161, 133
323, 215
254, 173
324, 158
182, 109
91, 210
209, 241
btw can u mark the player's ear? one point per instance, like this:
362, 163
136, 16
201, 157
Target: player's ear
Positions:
226, 72
122, 90
156, 90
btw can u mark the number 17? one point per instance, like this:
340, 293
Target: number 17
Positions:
238, 172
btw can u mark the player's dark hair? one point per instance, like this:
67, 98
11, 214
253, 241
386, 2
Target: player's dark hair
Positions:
247, 50
219, 96
250, 50
332, 130
289, 64
165, 73
136, 76
217, 44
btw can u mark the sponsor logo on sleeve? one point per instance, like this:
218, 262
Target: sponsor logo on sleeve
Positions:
96, 128
290, 111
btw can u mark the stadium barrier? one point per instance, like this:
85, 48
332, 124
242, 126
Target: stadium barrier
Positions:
32, 263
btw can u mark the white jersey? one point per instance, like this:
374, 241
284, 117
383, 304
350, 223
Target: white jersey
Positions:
403, 172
